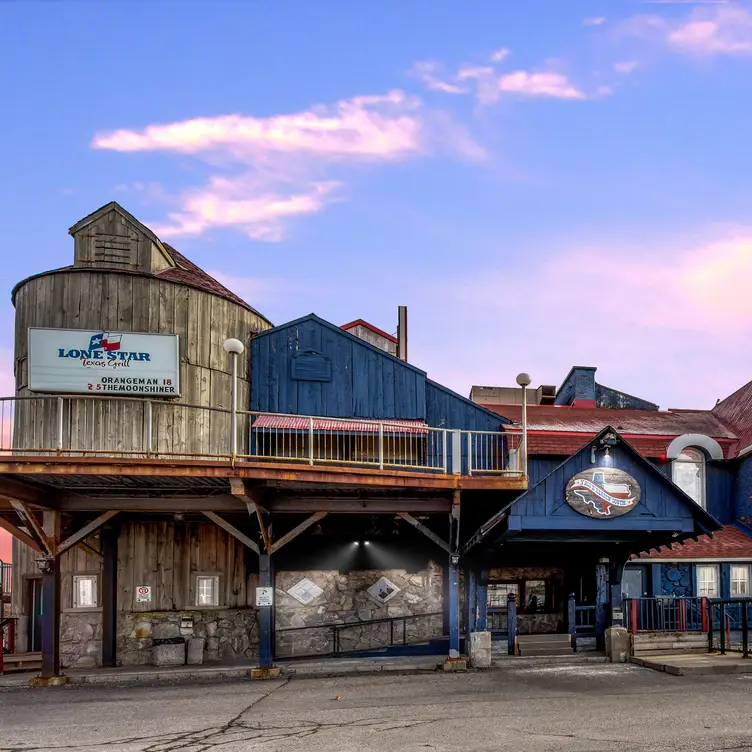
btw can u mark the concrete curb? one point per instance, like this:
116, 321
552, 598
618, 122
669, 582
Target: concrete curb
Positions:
698, 669
311, 671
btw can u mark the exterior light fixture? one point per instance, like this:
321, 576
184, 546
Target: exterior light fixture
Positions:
44, 565
366, 543
454, 559
234, 347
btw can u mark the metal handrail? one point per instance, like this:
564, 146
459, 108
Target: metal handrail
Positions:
75, 427
338, 627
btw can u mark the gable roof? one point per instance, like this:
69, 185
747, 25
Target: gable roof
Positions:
563, 429
182, 271
704, 520
736, 412
342, 332
374, 329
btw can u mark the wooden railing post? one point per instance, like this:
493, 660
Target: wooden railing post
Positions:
512, 623
572, 618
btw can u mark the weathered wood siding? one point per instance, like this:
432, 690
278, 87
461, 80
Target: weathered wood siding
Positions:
168, 556
74, 561
364, 382
117, 301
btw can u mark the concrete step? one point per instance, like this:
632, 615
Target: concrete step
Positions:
546, 650
21, 662
554, 639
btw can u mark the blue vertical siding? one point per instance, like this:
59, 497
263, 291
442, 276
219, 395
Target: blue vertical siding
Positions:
743, 489
365, 381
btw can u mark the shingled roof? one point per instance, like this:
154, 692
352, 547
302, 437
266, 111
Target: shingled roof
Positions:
728, 543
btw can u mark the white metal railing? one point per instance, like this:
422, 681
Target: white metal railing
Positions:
84, 425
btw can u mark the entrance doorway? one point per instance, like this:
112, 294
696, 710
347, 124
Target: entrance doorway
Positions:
37, 604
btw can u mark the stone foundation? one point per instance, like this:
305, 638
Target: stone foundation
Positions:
81, 639
230, 634
344, 600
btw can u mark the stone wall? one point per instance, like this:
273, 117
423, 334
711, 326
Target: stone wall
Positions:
81, 639
344, 600
231, 634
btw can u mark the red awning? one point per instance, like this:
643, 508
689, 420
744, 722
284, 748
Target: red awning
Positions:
301, 423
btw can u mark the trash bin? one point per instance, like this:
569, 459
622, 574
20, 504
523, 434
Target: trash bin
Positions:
169, 651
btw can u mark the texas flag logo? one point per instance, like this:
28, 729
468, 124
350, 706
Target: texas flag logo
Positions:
105, 341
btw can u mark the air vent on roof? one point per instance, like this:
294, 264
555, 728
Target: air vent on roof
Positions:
546, 394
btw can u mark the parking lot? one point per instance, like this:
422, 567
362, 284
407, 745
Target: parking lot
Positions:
587, 707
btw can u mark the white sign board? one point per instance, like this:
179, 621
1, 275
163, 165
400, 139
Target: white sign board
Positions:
143, 594
75, 361
264, 596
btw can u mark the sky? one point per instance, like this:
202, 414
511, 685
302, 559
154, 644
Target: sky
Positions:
543, 184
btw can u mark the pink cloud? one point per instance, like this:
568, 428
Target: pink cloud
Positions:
664, 325
626, 66
429, 73
227, 202
539, 85
723, 29
490, 84
383, 127
594, 21
281, 166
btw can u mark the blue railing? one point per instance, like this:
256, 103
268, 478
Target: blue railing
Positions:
584, 620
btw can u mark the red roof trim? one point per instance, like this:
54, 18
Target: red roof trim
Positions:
374, 329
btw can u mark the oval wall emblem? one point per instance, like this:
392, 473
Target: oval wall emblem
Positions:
603, 492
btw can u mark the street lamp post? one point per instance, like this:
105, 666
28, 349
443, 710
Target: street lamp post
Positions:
235, 347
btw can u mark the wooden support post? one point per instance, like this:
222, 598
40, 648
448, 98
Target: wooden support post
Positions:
616, 570
109, 539
572, 620
454, 578
50, 531
512, 624
470, 604
481, 622
266, 615
601, 604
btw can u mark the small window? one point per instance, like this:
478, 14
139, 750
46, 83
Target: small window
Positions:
740, 581
688, 472
207, 591
84, 591
707, 581
498, 593
535, 596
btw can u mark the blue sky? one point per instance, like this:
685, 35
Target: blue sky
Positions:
543, 184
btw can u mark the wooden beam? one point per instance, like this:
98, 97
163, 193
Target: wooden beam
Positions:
425, 530
355, 505
10, 488
169, 503
232, 530
277, 471
90, 550
16, 532
296, 531
85, 531
33, 526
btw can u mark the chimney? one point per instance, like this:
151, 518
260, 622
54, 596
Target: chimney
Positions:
402, 332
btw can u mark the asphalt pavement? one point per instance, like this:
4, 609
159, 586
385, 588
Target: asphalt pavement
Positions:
574, 708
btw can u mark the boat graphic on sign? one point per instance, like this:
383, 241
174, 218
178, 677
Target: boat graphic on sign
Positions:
603, 492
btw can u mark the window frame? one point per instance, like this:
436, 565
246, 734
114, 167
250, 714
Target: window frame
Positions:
747, 568
702, 463
717, 579
76, 578
214, 578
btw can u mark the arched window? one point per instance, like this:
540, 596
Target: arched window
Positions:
688, 472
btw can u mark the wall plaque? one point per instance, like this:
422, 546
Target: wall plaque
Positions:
311, 365
603, 492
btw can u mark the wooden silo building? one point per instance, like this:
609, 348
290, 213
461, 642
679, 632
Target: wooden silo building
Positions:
124, 279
